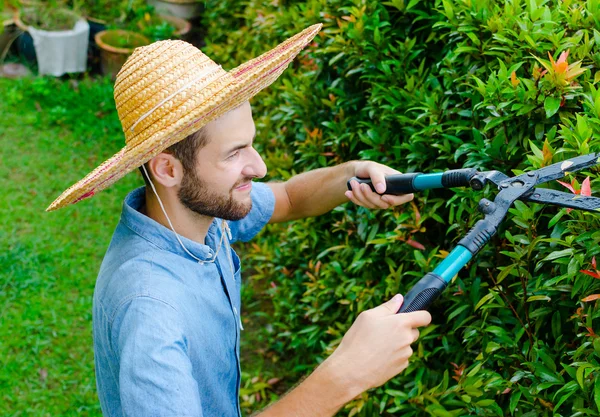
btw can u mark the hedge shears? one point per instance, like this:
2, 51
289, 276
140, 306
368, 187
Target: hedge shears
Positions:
521, 187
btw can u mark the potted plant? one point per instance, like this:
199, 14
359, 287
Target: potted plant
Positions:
158, 27
59, 36
100, 15
185, 9
9, 31
115, 47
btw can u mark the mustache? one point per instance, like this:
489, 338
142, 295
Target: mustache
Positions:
241, 182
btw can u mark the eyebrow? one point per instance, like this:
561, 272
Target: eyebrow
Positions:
241, 145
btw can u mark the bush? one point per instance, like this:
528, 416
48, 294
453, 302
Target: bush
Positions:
430, 86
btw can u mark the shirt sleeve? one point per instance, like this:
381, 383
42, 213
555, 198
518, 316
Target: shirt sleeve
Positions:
263, 205
155, 371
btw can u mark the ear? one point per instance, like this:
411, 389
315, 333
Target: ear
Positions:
166, 170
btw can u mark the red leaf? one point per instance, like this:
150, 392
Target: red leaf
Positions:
415, 244
591, 298
586, 188
569, 186
417, 213
594, 274
594, 262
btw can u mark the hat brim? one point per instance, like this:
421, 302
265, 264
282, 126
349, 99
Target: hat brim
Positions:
240, 85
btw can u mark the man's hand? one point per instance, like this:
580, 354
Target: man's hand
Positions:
375, 349
362, 194
377, 346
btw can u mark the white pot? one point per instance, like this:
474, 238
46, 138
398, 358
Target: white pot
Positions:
185, 9
60, 52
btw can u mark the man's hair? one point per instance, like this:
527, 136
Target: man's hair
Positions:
185, 151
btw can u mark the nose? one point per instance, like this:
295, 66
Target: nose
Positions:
255, 168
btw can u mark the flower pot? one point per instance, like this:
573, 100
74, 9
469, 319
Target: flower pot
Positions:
185, 9
9, 33
182, 27
58, 50
115, 47
96, 26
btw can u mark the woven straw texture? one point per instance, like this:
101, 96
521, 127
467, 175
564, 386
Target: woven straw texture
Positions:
170, 89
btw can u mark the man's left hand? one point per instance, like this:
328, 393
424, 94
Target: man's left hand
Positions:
362, 194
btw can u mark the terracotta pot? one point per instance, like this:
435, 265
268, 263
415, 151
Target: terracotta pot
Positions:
182, 26
185, 9
115, 47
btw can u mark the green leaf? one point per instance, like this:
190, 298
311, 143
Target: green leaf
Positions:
536, 151
580, 376
504, 272
551, 105
475, 369
546, 374
514, 400
559, 254
557, 217
539, 298
569, 389
597, 391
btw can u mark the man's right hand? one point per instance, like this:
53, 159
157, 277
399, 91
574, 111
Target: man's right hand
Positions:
377, 346
375, 349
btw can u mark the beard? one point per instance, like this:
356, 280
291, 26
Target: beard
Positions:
196, 196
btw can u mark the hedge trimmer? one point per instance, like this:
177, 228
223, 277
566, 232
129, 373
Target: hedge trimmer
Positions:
521, 187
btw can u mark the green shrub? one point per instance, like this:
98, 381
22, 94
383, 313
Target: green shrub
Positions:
429, 86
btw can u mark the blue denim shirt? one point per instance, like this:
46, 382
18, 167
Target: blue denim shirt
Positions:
167, 328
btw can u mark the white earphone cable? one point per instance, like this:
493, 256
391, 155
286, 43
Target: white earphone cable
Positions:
224, 226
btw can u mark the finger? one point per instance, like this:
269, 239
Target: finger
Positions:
396, 200
403, 365
405, 353
388, 308
419, 318
415, 335
378, 179
373, 198
359, 196
352, 198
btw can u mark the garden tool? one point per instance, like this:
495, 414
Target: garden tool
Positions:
521, 187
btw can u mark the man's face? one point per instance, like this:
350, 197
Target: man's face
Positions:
221, 183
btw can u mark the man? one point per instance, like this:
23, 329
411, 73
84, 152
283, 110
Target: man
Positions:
167, 301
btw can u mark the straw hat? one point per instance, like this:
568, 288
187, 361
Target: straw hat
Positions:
170, 89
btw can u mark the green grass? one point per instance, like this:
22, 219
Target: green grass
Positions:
49, 261
52, 134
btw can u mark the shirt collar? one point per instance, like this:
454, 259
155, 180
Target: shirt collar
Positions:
161, 236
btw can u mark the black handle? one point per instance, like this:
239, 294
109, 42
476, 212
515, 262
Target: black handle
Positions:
423, 293
458, 177
409, 183
394, 184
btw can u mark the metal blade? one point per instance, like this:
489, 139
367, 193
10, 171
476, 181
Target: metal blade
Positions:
559, 198
558, 170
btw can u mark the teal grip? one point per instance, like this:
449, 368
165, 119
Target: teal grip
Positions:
428, 181
454, 262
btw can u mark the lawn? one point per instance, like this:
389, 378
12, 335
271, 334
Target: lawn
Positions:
50, 260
